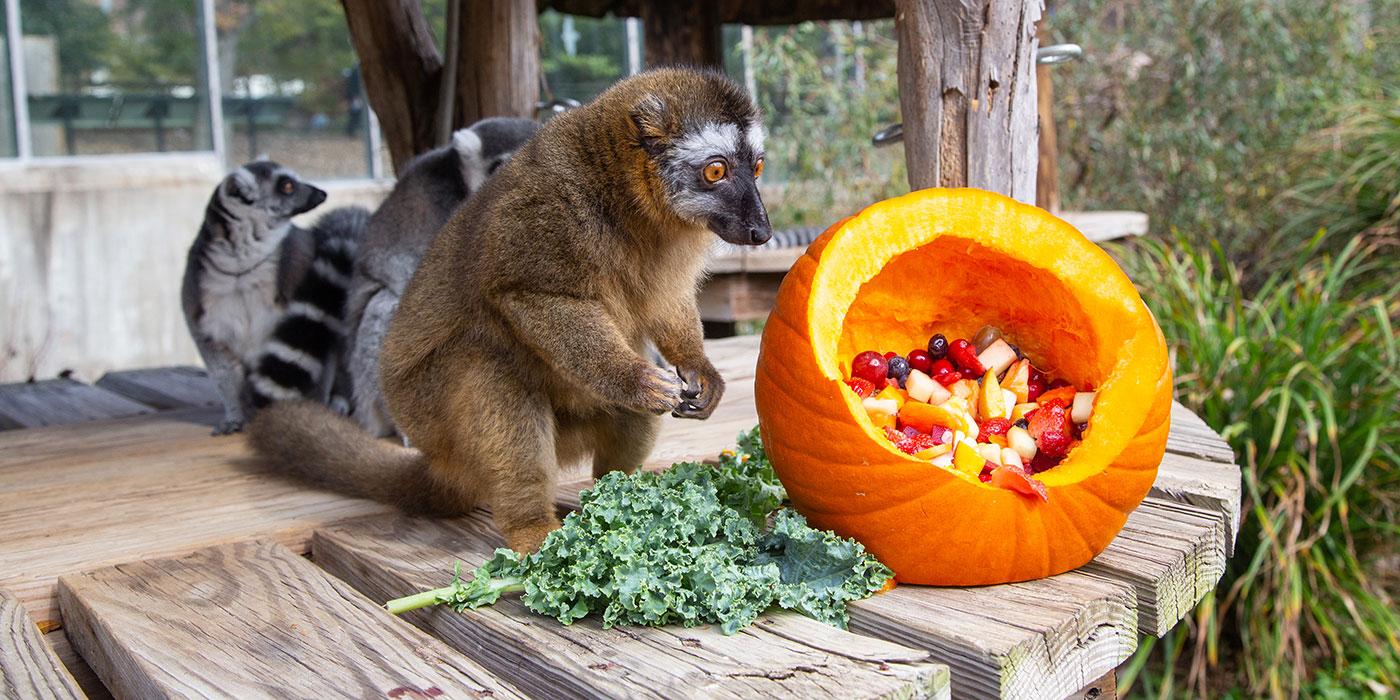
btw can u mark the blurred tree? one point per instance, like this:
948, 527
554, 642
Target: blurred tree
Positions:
82, 32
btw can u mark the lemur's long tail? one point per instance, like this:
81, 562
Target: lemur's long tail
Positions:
296, 357
311, 442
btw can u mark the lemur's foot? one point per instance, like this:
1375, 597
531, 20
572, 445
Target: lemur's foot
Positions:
228, 426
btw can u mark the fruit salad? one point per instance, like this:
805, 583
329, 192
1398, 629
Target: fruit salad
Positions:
980, 407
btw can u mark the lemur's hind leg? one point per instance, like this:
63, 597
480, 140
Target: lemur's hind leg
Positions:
229, 374
623, 441
363, 357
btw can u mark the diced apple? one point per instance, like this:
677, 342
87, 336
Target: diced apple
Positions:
1083, 406
1011, 457
991, 453
1008, 399
881, 411
997, 357
966, 389
1019, 440
1020, 410
922, 387
1017, 381
990, 402
967, 459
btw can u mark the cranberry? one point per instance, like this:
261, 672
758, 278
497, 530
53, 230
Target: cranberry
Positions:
920, 360
1037, 375
970, 373
965, 357
870, 366
1058, 383
937, 346
862, 387
1041, 462
1034, 388
992, 426
898, 369
891, 355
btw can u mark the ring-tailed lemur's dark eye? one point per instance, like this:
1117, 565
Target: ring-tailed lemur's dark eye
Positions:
286, 185
758, 168
715, 170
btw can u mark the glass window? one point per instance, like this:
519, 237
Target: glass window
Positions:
292, 87
114, 76
581, 56
7, 105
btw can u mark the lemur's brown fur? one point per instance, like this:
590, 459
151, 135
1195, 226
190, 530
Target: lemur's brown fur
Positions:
519, 345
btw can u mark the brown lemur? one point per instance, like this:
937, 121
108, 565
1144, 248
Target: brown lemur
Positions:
517, 347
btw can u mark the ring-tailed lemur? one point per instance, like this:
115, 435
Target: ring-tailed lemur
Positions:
431, 188
244, 262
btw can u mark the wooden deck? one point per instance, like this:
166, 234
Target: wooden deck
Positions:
158, 563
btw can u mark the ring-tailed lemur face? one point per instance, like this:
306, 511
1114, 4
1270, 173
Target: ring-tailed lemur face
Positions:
486, 145
271, 190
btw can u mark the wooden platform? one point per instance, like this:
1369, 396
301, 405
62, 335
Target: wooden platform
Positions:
106, 519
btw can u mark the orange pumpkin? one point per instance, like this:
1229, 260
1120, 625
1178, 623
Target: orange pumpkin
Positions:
950, 261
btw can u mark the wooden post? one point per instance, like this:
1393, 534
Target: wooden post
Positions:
1047, 179
967, 92
400, 67
678, 32
499, 74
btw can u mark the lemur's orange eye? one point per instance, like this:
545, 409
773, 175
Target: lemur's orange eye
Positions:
758, 168
714, 171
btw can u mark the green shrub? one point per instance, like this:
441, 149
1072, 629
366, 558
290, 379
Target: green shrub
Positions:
1302, 378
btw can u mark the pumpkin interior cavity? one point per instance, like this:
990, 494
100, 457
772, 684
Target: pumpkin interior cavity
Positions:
898, 289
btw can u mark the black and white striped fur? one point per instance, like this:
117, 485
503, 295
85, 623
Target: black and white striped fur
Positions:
238, 271
299, 358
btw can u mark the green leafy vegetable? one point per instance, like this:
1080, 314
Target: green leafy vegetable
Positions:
692, 545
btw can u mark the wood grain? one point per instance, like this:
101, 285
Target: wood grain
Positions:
783, 655
163, 388
253, 619
60, 402
1101, 226
87, 679
28, 667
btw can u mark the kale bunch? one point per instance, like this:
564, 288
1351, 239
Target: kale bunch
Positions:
694, 544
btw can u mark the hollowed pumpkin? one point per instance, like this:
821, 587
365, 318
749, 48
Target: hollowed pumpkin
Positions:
950, 261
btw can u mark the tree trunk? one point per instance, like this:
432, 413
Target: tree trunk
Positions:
499, 73
399, 65
678, 32
967, 91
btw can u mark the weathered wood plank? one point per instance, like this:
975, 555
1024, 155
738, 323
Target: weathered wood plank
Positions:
783, 655
60, 402
738, 297
1173, 553
1099, 226
28, 667
253, 619
87, 679
163, 388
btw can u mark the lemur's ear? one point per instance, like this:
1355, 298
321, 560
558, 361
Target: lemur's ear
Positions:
242, 185
656, 124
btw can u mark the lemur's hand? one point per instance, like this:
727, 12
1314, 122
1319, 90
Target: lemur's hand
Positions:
703, 388
228, 426
659, 390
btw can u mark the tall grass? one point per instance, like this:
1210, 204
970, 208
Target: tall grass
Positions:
1302, 377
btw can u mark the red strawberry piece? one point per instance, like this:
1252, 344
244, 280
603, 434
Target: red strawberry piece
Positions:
1054, 444
862, 387
992, 426
870, 366
1050, 426
964, 356
894, 435
922, 441
986, 475
919, 359
1018, 479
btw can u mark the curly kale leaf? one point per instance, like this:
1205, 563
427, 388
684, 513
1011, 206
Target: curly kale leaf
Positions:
685, 546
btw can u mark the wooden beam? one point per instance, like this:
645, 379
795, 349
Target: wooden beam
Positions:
61, 401
28, 667
678, 32
163, 388
498, 74
399, 64
967, 92
254, 620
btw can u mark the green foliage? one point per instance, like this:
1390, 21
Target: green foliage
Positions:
1302, 377
79, 28
694, 544
599, 59
304, 40
1189, 109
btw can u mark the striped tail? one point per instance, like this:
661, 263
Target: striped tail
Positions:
297, 361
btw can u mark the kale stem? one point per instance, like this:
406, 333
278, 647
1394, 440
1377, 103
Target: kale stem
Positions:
399, 606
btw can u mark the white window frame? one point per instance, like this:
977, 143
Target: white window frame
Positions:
213, 90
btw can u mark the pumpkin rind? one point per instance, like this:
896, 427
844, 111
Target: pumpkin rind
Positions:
964, 256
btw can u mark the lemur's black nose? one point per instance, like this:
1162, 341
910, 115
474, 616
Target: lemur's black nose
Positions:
758, 235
